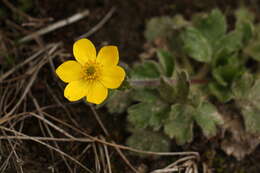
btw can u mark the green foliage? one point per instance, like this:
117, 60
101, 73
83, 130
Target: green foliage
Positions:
203, 63
166, 61
146, 70
207, 117
179, 124
148, 113
149, 141
249, 103
196, 45
212, 26
253, 49
159, 27
119, 101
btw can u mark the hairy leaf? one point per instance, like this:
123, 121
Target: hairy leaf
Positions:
242, 86
207, 117
145, 95
146, 70
166, 60
179, 124
250, 107
119, 101
223, 94
143, 115
159, 27
196, 45
149, 141
213, 27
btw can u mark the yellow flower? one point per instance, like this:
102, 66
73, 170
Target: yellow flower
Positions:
90, 76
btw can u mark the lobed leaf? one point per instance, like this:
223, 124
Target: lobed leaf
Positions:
196, 45
159, 27
207, 117
179, 125
144, 115
166, 60
149, 141
119, 101
146, 70
213, 27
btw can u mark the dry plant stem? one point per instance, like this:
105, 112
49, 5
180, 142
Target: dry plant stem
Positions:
84, 140
47, 145
97, 162
48, 130
17, 160
98, 119
102, 157
5, 163
56, 99
33, 71
21, 13
99, 25
28, 60
122, 146
54, 26
107, 134
188, 164
53, 125
95, 139
107, 157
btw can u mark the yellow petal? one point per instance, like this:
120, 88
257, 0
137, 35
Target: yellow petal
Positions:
97, 93
112, 77
69, 71
84, 50
108, 56
76, 90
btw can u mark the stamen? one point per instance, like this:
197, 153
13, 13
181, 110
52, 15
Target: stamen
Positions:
91, 71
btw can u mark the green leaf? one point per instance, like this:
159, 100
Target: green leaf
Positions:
196, 45
251, 116
149, 141
166, 60
223, 94
179, 124
139, 114
159, 27
119, 101
145, 95
226, 74
183, 87
143, 115
177, 91
254, 95
244, 24
231, 42
253, 49
168, 91
180, 22
213, 27
242, 86
250, 108
207, 117
243, 14
146, 70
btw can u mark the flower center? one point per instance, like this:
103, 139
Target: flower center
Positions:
91, 71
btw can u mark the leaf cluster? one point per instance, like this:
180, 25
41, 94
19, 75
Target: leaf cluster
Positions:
165, 98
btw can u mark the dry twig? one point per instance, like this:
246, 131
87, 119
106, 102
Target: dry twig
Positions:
56, 25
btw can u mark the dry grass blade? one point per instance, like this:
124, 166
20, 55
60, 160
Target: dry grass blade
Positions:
99, 25
56, 25
47, 145
34, 71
